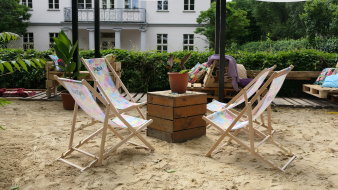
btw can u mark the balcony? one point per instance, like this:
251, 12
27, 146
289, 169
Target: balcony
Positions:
109, 15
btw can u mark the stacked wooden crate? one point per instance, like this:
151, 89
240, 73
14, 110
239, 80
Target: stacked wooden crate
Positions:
176, 117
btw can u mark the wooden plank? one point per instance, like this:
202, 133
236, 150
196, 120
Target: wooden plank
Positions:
138, 96
176, 125
178, 136
144, 98
312, 103
281, 102
160, 111
187, 111
302, 102
293, 75
295, 103
166, 98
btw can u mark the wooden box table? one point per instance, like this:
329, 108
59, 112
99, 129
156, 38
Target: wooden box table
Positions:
176, 117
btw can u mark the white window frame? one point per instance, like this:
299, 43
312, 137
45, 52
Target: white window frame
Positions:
162, 42
54, 4
27, 3
131, 4
28, 40
189, 5
52, 35
162, 5
85, 4
188, 42
108, 4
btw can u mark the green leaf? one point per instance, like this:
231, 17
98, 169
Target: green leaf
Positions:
15, 187
8, 66
2, 128
31, 63
22, 64
1, 67
16, 65
36, 61
184, 71
170, 171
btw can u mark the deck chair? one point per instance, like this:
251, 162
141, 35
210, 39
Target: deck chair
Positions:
99, 70
249, 89
229, 123
82, 93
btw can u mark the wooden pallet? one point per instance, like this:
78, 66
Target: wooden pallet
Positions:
318, 91
303, 103
42, 96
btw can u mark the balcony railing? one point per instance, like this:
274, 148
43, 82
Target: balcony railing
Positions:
110, 15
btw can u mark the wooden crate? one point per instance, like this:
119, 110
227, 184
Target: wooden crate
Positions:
176, 117
318, 91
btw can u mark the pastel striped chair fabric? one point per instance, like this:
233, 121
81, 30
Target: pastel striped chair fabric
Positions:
99, 68
86, 101
224, 118
215, 105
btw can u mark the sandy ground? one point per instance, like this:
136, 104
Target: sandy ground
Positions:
37, 133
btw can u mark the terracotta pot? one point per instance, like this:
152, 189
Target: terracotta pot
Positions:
68, 101
178, 82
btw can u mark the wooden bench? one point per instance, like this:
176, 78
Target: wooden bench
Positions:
52, 84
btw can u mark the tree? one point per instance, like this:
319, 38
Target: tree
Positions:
321, 18
236, 24
13, 17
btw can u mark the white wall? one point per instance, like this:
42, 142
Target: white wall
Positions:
42, 14
175, 13
130, 39
41, 35
175, 38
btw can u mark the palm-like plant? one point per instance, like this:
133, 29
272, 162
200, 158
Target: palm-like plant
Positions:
8, 66
64, 49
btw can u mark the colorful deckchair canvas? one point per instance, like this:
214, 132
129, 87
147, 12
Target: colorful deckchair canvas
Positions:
230, 123
82, 93
99, 69
250, 90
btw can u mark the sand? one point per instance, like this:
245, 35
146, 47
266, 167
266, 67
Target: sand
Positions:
37, 133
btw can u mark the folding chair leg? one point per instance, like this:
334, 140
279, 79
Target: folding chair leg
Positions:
215, 145
121, 137
104, 135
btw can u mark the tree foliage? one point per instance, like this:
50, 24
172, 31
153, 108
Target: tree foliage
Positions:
236, 23
321, 18
13, 17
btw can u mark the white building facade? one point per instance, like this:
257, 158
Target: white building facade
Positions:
141, 25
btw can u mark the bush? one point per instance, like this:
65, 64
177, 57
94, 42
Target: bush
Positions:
146, 71
327, 45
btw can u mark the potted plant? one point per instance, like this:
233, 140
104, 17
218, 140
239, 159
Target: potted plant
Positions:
178, 81
64, 49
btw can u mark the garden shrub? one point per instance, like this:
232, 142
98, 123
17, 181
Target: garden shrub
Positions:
146, 71
327, 45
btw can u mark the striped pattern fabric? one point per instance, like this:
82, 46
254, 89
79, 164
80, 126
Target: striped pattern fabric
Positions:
99, 68
86, 101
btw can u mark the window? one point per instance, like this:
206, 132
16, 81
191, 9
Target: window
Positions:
27, 3
189, 5
85, 4
53, 4
188, 42
131, 4
108, 4
162, 42
162, 5
51, 39
28, 41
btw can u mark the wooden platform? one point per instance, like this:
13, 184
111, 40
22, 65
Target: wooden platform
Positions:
303, 103
318, 91
279, 101
42, 96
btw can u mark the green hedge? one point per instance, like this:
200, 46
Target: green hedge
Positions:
146, 71
326, 45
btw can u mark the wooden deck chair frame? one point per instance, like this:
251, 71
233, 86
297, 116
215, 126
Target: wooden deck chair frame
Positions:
102, 152
118, 80
243, 91
250, 130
